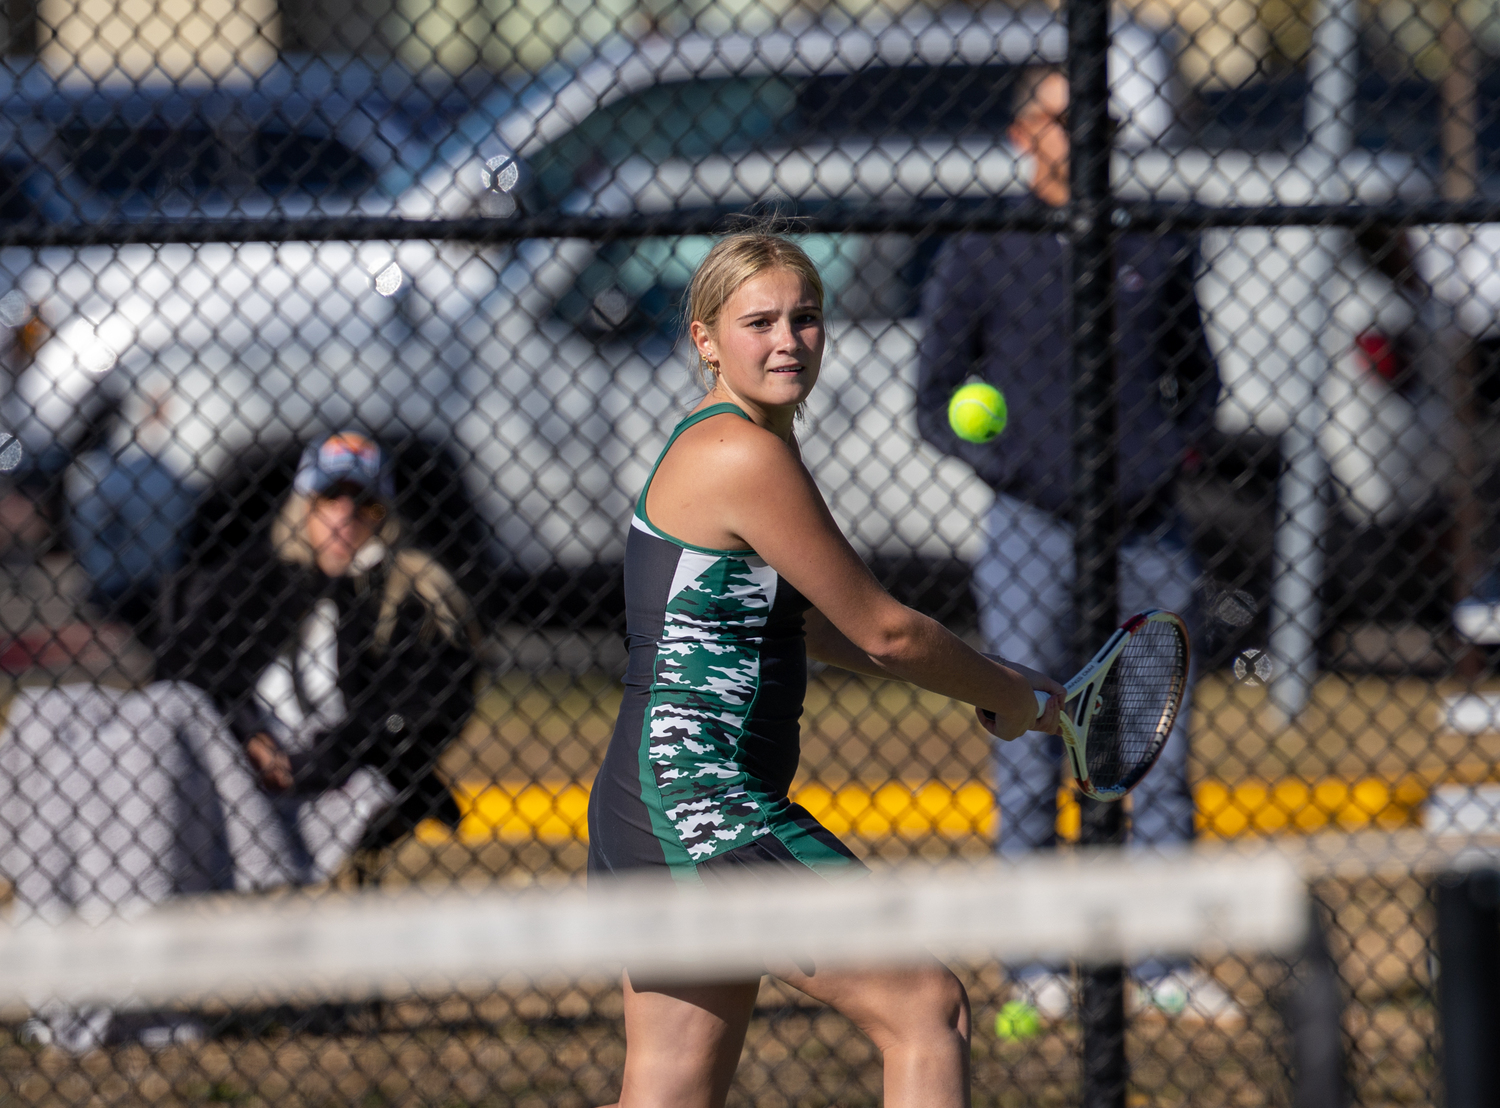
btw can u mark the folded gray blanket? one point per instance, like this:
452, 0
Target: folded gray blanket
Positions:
112, 800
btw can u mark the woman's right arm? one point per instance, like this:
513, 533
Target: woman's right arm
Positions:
768, 499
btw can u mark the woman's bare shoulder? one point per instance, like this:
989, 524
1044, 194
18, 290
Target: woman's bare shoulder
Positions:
715, 481
730, 440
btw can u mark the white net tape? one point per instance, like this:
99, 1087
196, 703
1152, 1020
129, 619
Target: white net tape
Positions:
1094, 908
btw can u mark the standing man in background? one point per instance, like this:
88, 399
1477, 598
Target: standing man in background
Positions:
998, 308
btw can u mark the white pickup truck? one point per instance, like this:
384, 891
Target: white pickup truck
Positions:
572, 376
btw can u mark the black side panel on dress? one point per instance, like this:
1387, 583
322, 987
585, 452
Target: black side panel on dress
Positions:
617, 815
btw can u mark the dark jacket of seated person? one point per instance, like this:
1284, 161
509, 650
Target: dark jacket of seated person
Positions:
331, 648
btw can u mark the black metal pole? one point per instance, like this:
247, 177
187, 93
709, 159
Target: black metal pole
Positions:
1106, 1068
1095, 493
1468, 940
1314, 1013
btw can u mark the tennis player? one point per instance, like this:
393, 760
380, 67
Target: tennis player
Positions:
735, 573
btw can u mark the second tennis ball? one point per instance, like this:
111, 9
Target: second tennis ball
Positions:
977, 412
1017, 1021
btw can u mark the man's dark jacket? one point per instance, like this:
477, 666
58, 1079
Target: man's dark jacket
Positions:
998, 307
224, 624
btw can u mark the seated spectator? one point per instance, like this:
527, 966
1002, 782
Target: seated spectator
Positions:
342, 659
327, 664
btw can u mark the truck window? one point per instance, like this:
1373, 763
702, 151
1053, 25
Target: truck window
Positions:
150, 161
15, 205
145, 167
694, 119
634, 288
278, 160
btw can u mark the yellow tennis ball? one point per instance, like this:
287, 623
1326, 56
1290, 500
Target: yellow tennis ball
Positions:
977, 412
1017, 1020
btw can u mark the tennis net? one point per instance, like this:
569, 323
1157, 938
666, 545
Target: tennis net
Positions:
1095, 908
481, 996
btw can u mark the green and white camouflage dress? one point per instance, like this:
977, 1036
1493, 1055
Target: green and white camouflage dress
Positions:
707, 740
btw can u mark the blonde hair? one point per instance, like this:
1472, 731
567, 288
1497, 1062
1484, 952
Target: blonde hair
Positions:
411, 572
734, 260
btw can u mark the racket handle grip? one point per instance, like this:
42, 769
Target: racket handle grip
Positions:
1041, 707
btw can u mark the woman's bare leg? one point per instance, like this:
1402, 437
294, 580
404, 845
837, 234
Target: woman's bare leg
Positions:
682, 1043
919, 1018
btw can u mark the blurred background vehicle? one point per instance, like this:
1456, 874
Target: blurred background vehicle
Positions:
548, 368
572, 373
575, 378
139, 374
1439, 110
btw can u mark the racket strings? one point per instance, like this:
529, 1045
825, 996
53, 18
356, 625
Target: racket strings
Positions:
1136, 705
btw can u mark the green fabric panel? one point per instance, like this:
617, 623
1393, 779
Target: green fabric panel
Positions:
706, 681
640, 501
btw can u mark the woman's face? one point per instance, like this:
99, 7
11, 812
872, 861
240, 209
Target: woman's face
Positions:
768, 342
337, 526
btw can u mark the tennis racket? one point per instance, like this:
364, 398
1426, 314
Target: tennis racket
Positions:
1125, 702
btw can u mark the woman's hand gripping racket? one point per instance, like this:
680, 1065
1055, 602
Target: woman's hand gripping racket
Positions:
1125, 702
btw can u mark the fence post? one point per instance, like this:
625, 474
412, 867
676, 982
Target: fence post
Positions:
1301, 515
1315, 1021
1095, 492
1468, 940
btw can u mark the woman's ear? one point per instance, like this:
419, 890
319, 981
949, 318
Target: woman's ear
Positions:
703, 339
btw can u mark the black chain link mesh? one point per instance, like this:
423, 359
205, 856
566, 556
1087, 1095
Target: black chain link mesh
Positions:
462, 229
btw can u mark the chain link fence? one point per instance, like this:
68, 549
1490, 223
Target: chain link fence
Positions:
454, 235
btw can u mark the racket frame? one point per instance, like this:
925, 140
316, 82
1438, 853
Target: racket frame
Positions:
1087, 681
